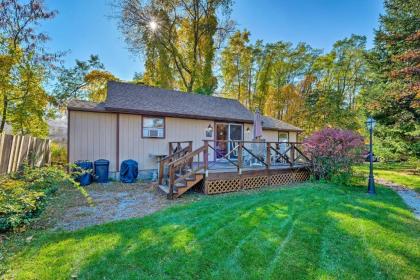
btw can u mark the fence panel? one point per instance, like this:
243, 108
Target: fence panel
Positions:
17, 149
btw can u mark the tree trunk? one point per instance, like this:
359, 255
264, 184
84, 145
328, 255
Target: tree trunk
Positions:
4, 115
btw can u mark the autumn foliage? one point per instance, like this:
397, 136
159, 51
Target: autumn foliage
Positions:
333, 151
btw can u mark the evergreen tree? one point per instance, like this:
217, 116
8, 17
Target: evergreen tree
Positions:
394, 95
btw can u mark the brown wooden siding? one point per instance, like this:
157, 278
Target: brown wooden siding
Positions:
93, 135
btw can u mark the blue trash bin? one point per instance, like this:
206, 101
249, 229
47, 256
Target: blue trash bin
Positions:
101, 170
129, 171
86, 177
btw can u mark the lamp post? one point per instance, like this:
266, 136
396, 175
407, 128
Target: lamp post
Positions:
370, 123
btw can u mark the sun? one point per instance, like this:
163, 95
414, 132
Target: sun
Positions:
153, 25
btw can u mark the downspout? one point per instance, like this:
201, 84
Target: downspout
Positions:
68, 140
117, 156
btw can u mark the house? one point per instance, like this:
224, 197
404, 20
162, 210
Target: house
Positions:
139, 122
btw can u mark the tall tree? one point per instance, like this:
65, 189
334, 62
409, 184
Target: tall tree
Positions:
237, 67
288, 67
337, 78
296, 83
85, 80
394, 95
29, 107
26, 62
178, 38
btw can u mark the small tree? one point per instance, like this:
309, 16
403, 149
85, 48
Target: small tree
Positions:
333, 151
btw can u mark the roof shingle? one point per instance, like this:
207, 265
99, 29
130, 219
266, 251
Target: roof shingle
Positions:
132, 98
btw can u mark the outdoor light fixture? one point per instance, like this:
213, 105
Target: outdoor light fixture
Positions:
248, 130
209, 131
370, 123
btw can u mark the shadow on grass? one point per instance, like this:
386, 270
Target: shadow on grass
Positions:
313, 231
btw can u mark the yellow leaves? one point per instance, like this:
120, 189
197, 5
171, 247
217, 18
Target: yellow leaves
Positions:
6, 63
284, 103
99, 76
96, 82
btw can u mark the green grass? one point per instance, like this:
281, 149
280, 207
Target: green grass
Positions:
405, 174
313, 231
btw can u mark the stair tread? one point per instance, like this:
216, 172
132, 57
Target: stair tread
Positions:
192, 178
165, 189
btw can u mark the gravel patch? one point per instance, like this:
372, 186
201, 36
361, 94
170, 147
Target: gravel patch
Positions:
111, 202
410, 197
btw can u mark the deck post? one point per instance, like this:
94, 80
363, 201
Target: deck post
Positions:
206, 155
292, 154
160, 179
190, 149
171, 182
240, 157
170, 149
268, 154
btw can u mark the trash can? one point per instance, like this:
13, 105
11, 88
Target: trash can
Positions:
85, 177
129, 171
101, 170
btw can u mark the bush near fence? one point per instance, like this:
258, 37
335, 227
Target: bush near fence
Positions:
24, 194
17, 149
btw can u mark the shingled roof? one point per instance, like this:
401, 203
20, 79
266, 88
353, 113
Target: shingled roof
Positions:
140, 99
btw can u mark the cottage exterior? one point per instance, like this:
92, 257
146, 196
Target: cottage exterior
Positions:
138, 122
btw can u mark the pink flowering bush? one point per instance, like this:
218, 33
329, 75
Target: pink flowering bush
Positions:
333, 151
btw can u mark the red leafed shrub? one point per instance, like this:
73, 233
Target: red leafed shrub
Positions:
333, 151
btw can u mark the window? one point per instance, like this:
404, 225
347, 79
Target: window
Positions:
153, 127
283, 137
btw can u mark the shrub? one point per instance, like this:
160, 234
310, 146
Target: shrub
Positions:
23, 194
333, 151
58, 154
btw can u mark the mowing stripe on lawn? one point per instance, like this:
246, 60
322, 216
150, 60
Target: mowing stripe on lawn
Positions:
161, 248
231, 262
279, 251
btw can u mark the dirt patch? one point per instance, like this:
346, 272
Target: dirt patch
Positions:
70, 210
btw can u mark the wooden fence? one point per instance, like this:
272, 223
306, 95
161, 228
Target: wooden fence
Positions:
16, 149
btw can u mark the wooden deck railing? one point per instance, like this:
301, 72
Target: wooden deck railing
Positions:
258, 153
176, 150
176, 146
182, 161
185, 167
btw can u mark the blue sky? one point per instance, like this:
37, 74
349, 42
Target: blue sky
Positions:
83, 27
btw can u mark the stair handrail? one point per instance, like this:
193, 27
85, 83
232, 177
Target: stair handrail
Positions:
187, 158
170, 158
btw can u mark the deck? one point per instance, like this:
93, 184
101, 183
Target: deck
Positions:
242, 168
224, 177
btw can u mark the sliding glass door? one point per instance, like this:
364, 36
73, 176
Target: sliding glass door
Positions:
226, 136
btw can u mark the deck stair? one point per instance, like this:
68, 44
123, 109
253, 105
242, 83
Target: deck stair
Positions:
182, 186
181, 174
185, 168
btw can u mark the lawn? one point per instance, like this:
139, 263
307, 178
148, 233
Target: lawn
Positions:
310, 231
405, 174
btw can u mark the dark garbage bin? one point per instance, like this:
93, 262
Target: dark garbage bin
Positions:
129, 171
85, 178
101, 170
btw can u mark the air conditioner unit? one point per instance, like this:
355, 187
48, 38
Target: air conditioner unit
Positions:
152, 132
